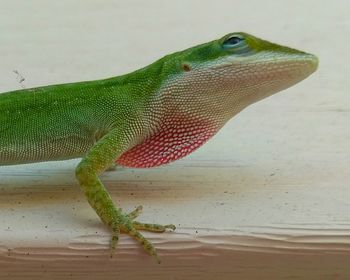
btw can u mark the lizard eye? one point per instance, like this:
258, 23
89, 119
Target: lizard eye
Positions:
232, 41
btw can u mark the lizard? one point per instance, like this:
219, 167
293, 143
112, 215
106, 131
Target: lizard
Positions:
146, 118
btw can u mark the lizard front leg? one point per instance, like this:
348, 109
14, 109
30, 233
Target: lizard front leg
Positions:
98, 159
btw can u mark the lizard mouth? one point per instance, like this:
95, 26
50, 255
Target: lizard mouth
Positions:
242, 81
304, 62
280, 71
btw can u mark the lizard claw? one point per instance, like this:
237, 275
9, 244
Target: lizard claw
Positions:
134, 214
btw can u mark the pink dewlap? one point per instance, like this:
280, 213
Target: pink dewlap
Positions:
174, 140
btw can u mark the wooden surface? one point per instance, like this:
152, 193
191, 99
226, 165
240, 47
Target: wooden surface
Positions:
267, 198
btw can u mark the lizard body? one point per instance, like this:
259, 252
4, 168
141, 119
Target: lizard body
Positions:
146, 118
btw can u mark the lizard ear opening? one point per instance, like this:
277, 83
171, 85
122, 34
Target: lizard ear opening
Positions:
186, 67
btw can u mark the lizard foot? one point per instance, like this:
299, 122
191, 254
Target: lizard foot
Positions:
129, 226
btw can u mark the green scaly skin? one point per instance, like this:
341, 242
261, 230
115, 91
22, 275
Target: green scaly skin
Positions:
146, 118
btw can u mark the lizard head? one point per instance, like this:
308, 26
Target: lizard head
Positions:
224, 76
201, 88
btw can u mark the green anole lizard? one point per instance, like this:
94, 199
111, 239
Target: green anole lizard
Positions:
146, 118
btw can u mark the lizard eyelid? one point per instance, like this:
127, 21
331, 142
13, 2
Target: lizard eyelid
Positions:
233, 41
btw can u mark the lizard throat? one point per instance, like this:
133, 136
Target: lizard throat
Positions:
176, 138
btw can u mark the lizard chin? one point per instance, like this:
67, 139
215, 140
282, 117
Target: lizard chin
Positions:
246, 81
